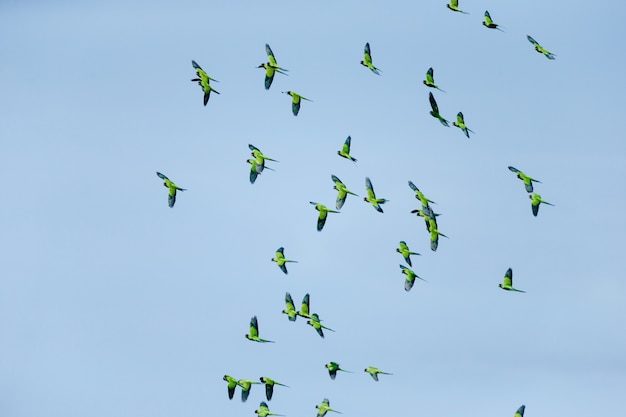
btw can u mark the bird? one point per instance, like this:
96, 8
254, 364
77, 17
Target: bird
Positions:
255, 170
345, 150
321, 220
535, 201
507, 284
434, 235
420, 196
435, 110
324, 407
246, 385
279, 258
410, 278
430, 80
204, 81
271, 67
269, 386
264, 411
342, 192
454, 6
317, 325
171, 199
254, 332
259, 157
295, 102
371, 196
333, 368
429, 216
520, 411
488, 22
304, 307
374, 372
460, 123
290, 309
528, 180
232, 384
403, 250
540, 48
367, 60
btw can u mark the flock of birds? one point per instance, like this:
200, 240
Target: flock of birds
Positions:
258, 165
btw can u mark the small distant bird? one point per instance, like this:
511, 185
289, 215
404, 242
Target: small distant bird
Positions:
259, 157
315, 322
232, 384
460, 123
435, 110
324, 407
295, 102
420, 196
430, 80
264, 411
290, 309
374, 372
333, 368
410, 278
535, 201
254, 332
342, 192
528, 181
269, 386
345, 150
520, 411
508, 283
321, 219
371, 196
204, 81
540, 48
404, 250
246, 385
171, 199
489, 23
304, 307
271, 67
454, 6
367, 60
279, 258
434, 235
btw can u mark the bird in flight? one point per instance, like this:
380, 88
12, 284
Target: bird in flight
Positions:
406, 253
374, 372
342, 192
204, 81
171, 199
371, 196
367, 60
324, 407
295, 102
460, 123
430, 80
321, 219
232, 384
454, 6
536, 201
279, 258
488, 22
435, 110
528, 180
345, 150
333, 368
271, 67
269, 386
507, 284
254, 332
540, 48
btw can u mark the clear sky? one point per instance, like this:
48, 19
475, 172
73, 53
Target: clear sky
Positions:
111, 303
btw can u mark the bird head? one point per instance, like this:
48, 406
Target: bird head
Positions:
262, 65
363, 63
500, 285
248, 336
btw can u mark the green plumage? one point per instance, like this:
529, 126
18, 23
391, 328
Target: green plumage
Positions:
204, 81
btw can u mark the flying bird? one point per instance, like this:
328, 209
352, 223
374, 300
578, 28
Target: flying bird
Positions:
342, 192
254, 332
535, 201
374, 372
269, 386
434, 235
528, 180
420, 196
271, 67
454, 6
520, 411
345, 150
371, 196
333, 368
304, 308
232, 384
430, 217
410, 278
246, 385
279, 258
508, 282
324, 407
259, 157
540, 48
488, 22
315, 322
290, 309
321, 220
171, 199
264, 411
367, 60
430, 80
295, 102
460, 123
406, 253
204, 81
435, 110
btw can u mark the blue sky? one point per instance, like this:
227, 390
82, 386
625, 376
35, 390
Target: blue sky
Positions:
113, 303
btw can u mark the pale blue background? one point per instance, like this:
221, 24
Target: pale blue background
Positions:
113, 304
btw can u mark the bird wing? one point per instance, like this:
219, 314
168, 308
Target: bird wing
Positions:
269, 77
520, 411
289, 302
321, 220
508, 278
346, 145
171, 198
367, 56
454, 3
270, 55
280, 253
370, 189
430, 78
163, 177
269, 391
295, 104
531, 40
535, 207
513, 169
488, 20
433, 103
459, 118
254, 327
304, 307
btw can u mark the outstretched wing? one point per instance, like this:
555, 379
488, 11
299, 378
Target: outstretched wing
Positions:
270, 55
488, 20
304, 308
254, 327
430, 79
508, 278
531, 40
370, 189
459, 118
433, 103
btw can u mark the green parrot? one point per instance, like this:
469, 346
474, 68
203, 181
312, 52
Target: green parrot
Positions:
489, 23
508, 282
460, 123
246, 385
290, 309
520, 411
345, 150
204, 81
528, 181
254, 332
324, 407
264, 411
295, 102
540, 48
420, 196
269, 386
435, 110
317, 325
259, 158
304, 308
279, 258
536, 200
232, 384
454, 6
255, 169
410, 278
429, 216
434, 235
321, 220
430, 80
375, 371
371, 196
271, 67
367, 60
171, 199
333, 367
405, 252
342, 192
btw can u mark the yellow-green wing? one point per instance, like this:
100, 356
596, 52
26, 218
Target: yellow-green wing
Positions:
304, 308
346, 145
430, 78
254, 327
454, 3
270, 55
508, 278
367, 55
370, 189
488, 20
